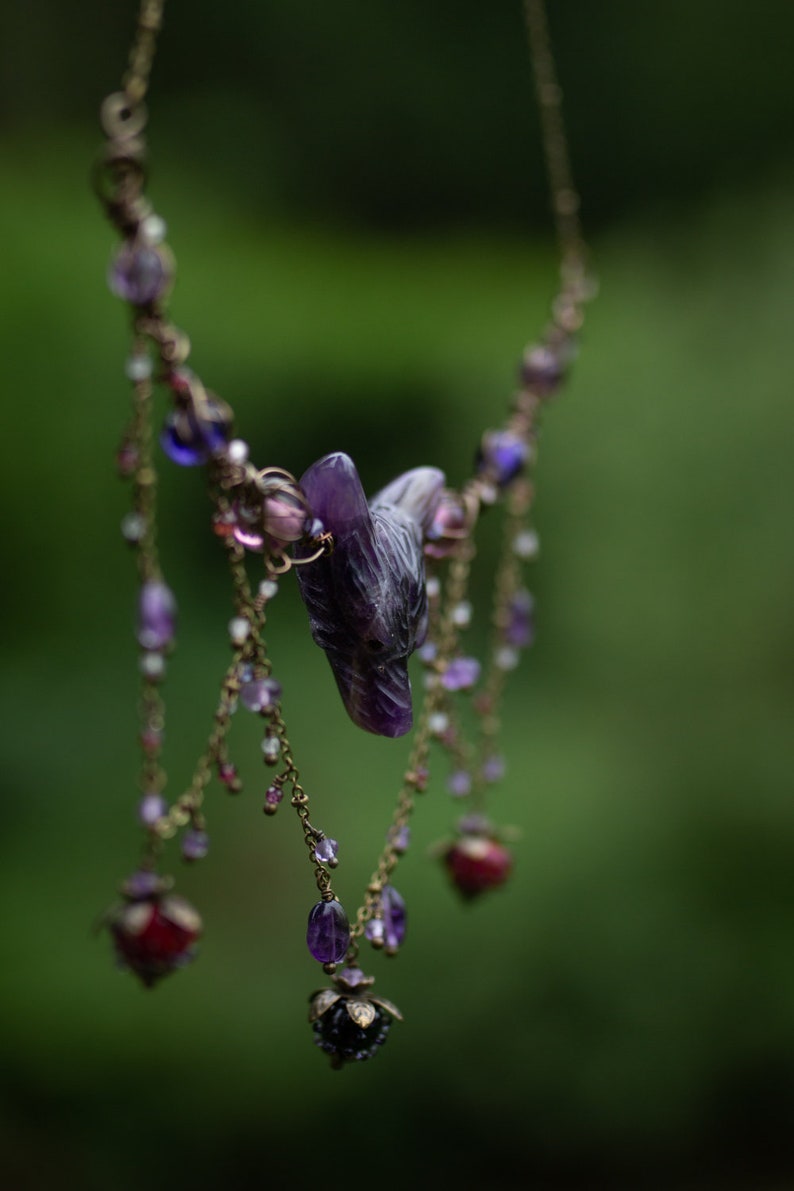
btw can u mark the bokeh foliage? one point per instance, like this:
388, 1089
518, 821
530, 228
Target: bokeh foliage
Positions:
623, 1014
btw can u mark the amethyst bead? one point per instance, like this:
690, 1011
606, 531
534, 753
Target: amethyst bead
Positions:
326, 851
520, 627
260, 694
195, 845
461, 674
394, 918
328, 932
139, 274
503, 455
459, 783
156, 615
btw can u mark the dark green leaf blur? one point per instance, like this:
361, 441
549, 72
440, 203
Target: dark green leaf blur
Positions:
355, 198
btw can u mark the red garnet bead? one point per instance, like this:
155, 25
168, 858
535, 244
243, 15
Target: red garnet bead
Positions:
477, 863
155, 934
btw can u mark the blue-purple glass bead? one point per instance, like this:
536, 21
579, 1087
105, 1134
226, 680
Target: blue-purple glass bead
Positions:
139, 274
503, 455
190, 438
328, 932
156, 615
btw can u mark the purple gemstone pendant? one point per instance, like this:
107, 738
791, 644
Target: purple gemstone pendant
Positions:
367, 601
328, 932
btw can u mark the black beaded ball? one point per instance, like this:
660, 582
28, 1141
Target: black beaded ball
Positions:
339, 1036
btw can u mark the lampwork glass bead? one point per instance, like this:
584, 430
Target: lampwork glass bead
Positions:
328, 932
154, 935
477, 864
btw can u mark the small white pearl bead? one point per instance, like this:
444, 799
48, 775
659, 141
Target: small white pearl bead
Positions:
526, 544
138, 367
153, 229
237, 451
239, 630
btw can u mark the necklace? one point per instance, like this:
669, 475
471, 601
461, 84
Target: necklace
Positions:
380, 579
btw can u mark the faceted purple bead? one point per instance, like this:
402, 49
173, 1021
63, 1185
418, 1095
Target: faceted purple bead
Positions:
520, 628
352, 977
195, 845
190, 438
142, 884
504, 454
328, 932
394, 918
461, 674
156, 615
273, 795
459, 783
139, 274
493, 768
260, 693
326, 850
399, 838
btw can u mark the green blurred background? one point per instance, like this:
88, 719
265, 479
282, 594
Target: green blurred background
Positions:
355, 198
